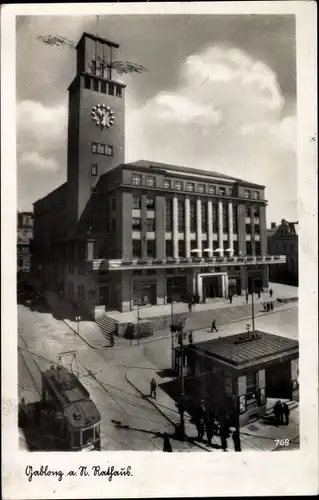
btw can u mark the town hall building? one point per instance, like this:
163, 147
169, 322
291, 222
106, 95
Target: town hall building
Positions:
117, 235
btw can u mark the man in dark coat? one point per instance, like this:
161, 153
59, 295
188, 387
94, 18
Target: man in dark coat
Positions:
190, 337
153, 387
278, 412
223, 437
271, 306
268, 307
270, 292
201, 429
230, 298
209, 432
236, 440
214, 327
286, 413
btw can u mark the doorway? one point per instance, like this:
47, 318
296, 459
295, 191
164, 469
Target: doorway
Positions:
212, 287
278, 381
104, 296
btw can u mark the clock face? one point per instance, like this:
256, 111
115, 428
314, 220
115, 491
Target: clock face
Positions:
102, 115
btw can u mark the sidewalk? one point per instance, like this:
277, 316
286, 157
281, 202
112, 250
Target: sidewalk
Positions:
256, 436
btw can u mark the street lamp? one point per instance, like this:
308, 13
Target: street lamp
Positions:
181, 409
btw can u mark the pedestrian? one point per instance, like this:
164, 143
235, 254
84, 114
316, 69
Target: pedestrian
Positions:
265, 306
247, 297
259, 293
190, 337
281, 413
223, 437
236, 439
286, 413
209, 431
167, 444
112, 340
277, 412
230, 298
190, 305
271, 306
153, 388
214, 327
268, 307
201, 429
270, 292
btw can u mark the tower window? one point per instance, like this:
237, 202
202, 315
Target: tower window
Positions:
103, 87
93, 190
136, 180
94, 147
101, 149
109, 150
87, 82
118, 91
96, 85
111, 88
94, 169
150, 181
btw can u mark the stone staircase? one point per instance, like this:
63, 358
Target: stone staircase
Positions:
108, 326
198, 320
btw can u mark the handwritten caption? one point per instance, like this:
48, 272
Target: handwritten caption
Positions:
82, 471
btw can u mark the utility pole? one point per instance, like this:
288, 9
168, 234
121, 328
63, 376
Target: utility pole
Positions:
252, 304
181, 408
138, 322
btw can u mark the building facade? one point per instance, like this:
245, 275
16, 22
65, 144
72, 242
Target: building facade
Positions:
283, 239
119, 234
24, 241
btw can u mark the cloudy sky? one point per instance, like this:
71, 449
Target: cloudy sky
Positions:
220, 94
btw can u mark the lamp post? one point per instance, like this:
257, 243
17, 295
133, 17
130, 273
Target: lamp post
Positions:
138, 321
78, 319
181, 409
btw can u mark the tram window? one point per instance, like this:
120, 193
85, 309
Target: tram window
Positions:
76, 439
87, 435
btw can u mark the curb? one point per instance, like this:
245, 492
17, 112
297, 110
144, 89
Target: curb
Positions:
162, 413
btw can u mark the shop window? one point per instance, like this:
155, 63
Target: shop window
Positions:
87, 82
251, 386
96, 85
136, 203
150, 224
136, 180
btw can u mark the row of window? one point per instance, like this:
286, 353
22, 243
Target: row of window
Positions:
101, 86
252, 229
151, 248
137, 224
252, 193
101, 149
137, 203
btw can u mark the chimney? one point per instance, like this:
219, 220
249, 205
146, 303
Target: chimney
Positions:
273, 225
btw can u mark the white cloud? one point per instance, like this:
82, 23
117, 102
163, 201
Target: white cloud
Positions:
236, 104
41, 135
35, 161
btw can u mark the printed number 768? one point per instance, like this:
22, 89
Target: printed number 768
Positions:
282, 442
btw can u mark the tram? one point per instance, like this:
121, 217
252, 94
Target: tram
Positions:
66, 419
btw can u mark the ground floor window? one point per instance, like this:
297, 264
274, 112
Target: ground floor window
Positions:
176, 288
251, 388
144, 294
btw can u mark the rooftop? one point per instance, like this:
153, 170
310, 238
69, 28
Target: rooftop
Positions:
167, 168
240, 349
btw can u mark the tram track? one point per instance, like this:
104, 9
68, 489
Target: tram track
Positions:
36, 385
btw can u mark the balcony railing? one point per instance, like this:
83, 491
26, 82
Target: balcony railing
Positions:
188, 262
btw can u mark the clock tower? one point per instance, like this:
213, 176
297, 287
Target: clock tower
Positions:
96, 122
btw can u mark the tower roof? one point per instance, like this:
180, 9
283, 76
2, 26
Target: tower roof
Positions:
98, 39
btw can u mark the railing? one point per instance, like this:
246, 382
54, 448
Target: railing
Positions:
192, 261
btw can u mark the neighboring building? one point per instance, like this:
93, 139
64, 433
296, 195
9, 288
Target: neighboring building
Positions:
116, 234
283, 240
235, 375
24, 241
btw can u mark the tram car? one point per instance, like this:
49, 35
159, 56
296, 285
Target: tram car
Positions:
66, 419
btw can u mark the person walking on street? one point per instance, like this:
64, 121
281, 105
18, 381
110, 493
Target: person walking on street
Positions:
214, 327
268, 306
270, 293
167, 444
153, 388
271, 306
230, 298
286, 413
190, 305
190, 337
209, 432
236, 440
247, 297
201, 429
112, 340
223, 437
265, 306
259, 293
